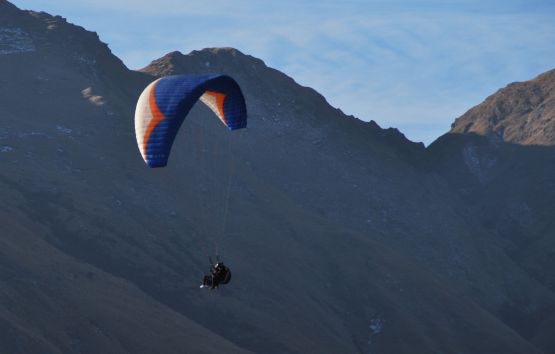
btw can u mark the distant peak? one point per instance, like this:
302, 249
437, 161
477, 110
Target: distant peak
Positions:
521, 113
204, 60
174, 54
177, 55
218, 51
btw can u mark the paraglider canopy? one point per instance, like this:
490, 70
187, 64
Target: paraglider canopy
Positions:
164, 104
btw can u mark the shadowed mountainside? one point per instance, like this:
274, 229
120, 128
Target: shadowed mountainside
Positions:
402, 202
342, 236
506, 175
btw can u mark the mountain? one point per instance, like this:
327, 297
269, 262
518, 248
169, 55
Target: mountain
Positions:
343, 237
403, 203
500, 157
522, 113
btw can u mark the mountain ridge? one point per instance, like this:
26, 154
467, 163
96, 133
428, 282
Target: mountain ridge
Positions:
521, 113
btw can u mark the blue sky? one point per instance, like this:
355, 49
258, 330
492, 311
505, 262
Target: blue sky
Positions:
414, 65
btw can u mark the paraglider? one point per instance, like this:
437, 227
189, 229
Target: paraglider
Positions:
219, 274
161, 109
164, 104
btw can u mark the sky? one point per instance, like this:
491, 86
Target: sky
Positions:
415, 65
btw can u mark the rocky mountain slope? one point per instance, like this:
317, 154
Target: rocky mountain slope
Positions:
499, 156
342, 236
522, 113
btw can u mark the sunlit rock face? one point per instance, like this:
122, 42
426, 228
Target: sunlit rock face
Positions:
521, 113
